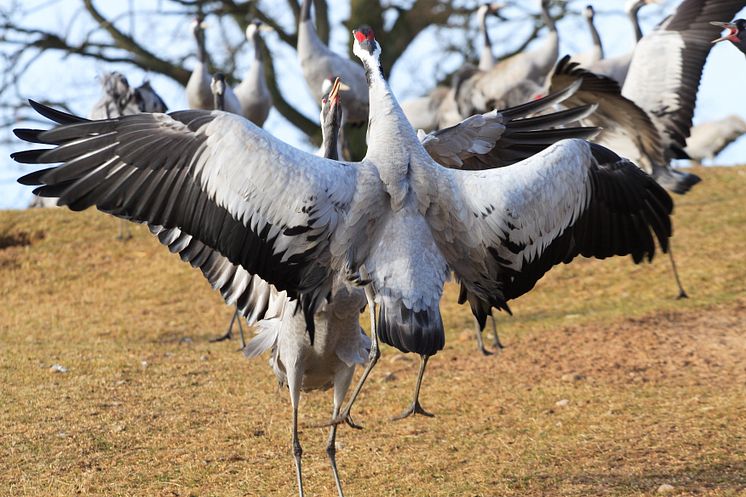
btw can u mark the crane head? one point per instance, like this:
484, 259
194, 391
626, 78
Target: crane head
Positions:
218, 83
635, 5
489, 8
217, 86
256, 26
589, 12
198, 24
331, 110
736, 29
365, 40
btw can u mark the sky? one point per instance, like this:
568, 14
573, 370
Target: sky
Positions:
74, 79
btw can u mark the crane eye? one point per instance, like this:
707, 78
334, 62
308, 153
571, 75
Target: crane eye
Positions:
323, 100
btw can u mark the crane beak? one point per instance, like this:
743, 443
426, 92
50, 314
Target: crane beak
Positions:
494, 8
732, 31
266, 29
334, 92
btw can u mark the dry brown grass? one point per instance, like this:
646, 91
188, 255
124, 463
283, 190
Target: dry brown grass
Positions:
656, 387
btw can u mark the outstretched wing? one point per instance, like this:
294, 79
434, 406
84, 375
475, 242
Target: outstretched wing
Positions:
502, 229
667, 65
503, 137
262, 204
248, 292
626, 128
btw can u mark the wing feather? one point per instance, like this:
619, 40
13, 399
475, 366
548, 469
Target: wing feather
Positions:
261, 204
667, 64
516, 222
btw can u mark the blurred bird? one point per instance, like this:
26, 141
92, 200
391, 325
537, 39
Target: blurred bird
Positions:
510, 82
589, 58
736, 33
120, 99
199, 94
318, 63
708, 139
252, 92
649, 119
486, 57
218, 86
617, 67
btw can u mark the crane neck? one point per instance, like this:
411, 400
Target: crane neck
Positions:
547, 18
486, 59
218, 101
633, 17
391, 139
330, 140
309, 44
596, 38
256, 40
305, 11
199, 37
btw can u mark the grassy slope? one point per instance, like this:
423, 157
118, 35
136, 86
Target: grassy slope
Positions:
656, 387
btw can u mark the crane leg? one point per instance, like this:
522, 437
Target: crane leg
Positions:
373, 357
124, 226
240, 329
682, 293
495, 337
294, 387
480, 342
229, 333
416, 408
341, 385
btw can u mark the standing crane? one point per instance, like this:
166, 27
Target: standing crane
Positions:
396, 223
252, 92
596, 54
318, 62
512, 81
199, 93
218, 86
617, 67
486, 57
339, 343
120, 99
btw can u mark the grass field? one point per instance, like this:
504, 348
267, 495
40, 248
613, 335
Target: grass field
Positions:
655, 388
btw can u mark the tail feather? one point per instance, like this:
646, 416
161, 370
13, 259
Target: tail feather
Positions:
268, 331
410, 331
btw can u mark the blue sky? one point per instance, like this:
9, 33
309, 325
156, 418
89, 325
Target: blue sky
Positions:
73, 79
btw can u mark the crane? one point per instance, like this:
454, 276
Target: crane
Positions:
199, 93
617, 67
318, 62
586, 59
252, 92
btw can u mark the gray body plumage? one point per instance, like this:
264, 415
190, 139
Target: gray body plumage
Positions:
199, 94
318, 63
617, 67
596, 54
253, 93
511, 81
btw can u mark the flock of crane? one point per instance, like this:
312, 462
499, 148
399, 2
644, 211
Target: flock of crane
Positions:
301, 244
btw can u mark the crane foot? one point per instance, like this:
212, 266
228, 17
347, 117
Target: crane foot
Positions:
416, 408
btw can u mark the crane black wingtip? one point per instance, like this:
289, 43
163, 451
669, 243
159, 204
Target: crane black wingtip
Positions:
34, 179
28, 156
57, 116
